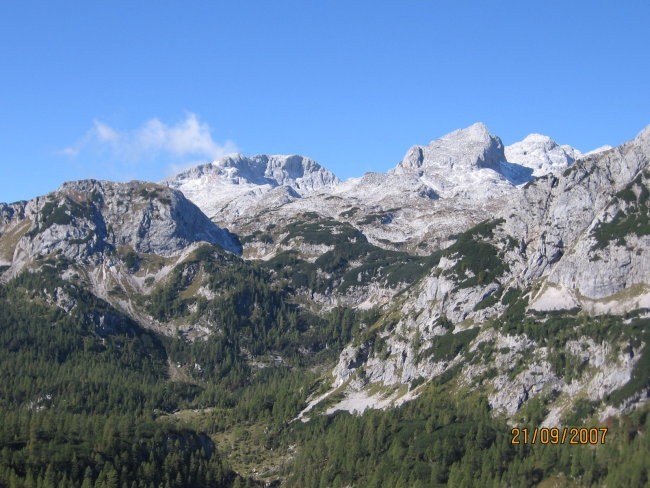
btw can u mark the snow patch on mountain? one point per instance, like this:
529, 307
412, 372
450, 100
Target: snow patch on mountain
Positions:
233, 183
468, 174
541, 154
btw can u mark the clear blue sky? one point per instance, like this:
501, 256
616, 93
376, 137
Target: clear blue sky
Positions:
123, 90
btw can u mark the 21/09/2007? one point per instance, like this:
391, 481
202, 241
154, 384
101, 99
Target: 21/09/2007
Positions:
555, 435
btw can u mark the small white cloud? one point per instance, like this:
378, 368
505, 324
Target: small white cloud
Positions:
70, 151
178, 145
104, 133
98, 135
190, 137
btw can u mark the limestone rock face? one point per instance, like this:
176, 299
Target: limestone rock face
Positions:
86, 219
226, 188
559, 217
510, 248
462, 150
576, 239
464, 173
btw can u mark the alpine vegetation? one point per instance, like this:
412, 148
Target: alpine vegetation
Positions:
479, 315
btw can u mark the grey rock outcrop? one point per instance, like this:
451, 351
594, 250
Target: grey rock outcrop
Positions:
85, 219
556, 217
576, 239
462, 150
227, 189
302, 174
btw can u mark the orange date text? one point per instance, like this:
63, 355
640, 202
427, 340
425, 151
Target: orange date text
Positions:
562, 435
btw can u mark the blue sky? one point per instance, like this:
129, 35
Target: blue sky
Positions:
134, 90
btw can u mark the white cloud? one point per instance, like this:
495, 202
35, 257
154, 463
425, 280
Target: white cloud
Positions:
189, 138
98, 135
70, 151
104, 133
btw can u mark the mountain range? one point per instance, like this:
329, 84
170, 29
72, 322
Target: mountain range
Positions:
520, 274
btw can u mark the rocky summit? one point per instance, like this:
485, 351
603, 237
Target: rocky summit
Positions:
472, 289
225, 188
87, 218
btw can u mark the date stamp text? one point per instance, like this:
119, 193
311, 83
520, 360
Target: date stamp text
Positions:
555, 435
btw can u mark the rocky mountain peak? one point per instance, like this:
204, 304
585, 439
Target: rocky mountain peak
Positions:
536, 138
477, 131
470, 148
84, 219
225, 188
541, 154
301, 173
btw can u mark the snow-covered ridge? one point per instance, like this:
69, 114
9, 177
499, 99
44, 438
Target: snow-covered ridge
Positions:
541, 154
445, 167
235, 182
467, 169
301, 173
